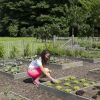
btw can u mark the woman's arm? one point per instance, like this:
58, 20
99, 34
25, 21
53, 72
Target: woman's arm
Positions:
47, 74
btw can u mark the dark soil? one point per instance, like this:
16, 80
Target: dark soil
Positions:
26, 88
92, 92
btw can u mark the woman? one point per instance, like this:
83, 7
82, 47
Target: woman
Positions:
37, 68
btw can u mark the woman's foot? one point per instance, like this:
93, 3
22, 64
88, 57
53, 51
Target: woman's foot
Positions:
36, 82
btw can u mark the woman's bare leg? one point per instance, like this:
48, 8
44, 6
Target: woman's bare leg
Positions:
36, 81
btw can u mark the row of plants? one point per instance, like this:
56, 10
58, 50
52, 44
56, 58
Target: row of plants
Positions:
88, 43
18, 48
31, 48
70, 84
14, 52
57, 51
83, 87
13, 69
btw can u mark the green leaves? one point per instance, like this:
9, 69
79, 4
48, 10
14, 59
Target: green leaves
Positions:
13, 30
62, 13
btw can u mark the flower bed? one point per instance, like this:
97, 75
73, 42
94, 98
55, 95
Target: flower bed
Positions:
66, 87
14, 72
11, 96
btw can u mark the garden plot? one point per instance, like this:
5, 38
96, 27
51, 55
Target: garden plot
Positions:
91, 60
65, 63
25, 60
11, 96
92, 92
14, 72
88, 56
67, 86
94, 73
10, 62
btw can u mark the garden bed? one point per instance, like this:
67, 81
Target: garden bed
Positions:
94, 73
65, 63
14, 72
25, 87
11, 96
91, 60
66, 87
92, 92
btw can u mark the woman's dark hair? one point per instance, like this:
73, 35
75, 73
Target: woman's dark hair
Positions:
44, 60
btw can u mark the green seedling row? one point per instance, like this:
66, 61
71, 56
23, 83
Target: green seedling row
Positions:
70, 84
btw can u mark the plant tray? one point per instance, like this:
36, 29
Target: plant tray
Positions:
11, 96
67, 65
67, 92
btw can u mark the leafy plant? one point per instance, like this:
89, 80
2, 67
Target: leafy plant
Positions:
12, 69
27, 50
14, 52
1, 51
68, 90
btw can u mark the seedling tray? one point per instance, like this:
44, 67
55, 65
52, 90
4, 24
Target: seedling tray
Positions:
66, 92
11, 96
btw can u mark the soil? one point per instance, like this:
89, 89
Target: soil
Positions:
93, 95
26, 88
61, 60
8, 95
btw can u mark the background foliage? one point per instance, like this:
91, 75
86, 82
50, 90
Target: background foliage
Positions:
45, 18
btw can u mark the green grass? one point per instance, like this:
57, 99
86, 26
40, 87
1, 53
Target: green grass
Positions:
37, 45
20, 44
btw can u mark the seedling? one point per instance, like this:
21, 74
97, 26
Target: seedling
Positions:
76, 88
68, 90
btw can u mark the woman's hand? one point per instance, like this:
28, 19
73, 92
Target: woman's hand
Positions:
53, 81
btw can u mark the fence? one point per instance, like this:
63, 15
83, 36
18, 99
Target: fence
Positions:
72, 41
20, 46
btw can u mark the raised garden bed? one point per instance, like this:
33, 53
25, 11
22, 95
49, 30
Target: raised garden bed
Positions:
91, 60
10, 62
65, 63
14, 72
92, 92
94, 73
66, 87
11, 96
